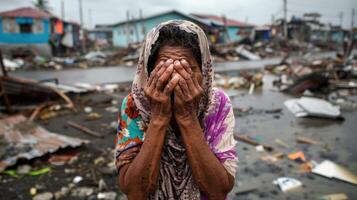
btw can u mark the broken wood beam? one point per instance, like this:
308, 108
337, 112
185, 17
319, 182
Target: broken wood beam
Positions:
84, 129
252, 142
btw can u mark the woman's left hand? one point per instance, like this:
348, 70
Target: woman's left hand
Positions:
187, 93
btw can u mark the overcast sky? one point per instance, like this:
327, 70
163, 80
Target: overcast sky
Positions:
254, 11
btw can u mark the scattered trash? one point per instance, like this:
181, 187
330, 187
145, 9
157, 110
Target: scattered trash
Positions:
305, 140
88, 109
107, 195
82, 192
60, 159
259, 148
330, 169
339, 196
287, 184
273, 158
77, 179
93, 116
43, 196
308, 106
282, 143
298, 156
33, 191
39, 172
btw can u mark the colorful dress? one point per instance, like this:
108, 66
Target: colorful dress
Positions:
218, 129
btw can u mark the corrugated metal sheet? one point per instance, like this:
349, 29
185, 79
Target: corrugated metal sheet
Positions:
25, 12
230, 22
23, 139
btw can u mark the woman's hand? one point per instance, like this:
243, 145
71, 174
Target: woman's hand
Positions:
159, 88
187, 93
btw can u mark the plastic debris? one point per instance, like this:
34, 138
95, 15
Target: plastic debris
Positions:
330, 169
286, 183
107, 195
339, 196
297, 156
309, 106
77, 179
43, 196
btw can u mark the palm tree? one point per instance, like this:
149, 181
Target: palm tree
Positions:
42, 5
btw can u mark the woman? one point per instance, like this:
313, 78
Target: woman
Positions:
175, 133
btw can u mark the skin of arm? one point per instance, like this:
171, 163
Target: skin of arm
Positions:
138, 179
210, 175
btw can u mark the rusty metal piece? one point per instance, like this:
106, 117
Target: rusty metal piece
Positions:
21, 138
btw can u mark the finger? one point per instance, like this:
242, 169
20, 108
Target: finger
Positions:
191, 85
186, 65
186, 91
168, 62
181, 70
171, 85
197, 85
164, 77
156, 77
158, 66
178, 92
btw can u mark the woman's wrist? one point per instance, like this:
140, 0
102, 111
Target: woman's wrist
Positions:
187, 120
160, 121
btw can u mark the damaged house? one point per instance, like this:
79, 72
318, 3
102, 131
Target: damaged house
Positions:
36, 31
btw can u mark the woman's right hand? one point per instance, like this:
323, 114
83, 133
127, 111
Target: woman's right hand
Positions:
159, 89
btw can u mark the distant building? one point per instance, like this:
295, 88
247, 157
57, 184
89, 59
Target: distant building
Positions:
101, 35
135, 30
41, 32
237, 31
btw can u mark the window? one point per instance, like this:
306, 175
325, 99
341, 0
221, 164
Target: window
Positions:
25, 28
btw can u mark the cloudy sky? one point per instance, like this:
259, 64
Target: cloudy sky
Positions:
254, 11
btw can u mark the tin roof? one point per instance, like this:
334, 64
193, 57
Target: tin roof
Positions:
219, 20
21, 138
26, 12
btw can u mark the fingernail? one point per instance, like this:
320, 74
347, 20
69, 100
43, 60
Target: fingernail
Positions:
177, 62
170, 60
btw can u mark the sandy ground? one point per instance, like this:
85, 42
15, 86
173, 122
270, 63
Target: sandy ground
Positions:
95, 159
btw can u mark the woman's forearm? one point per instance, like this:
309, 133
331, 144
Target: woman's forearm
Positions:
139, 178
210, 175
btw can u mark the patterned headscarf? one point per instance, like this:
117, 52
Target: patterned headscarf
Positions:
141, 76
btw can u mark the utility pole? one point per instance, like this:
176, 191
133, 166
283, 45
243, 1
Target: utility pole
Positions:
353, 19
128, 28
82, 26
341, 18
62, 9
143, 31
285, 19
90, 18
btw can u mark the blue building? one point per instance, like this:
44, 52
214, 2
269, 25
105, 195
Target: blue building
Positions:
40, 32
25, 27
134, 31
236, 31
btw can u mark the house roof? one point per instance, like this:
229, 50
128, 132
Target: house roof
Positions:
219, 20
193, 18
26, 12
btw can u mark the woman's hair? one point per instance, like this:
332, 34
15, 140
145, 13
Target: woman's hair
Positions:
172, 35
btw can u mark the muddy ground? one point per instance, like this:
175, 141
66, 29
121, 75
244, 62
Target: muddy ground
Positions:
267, 120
